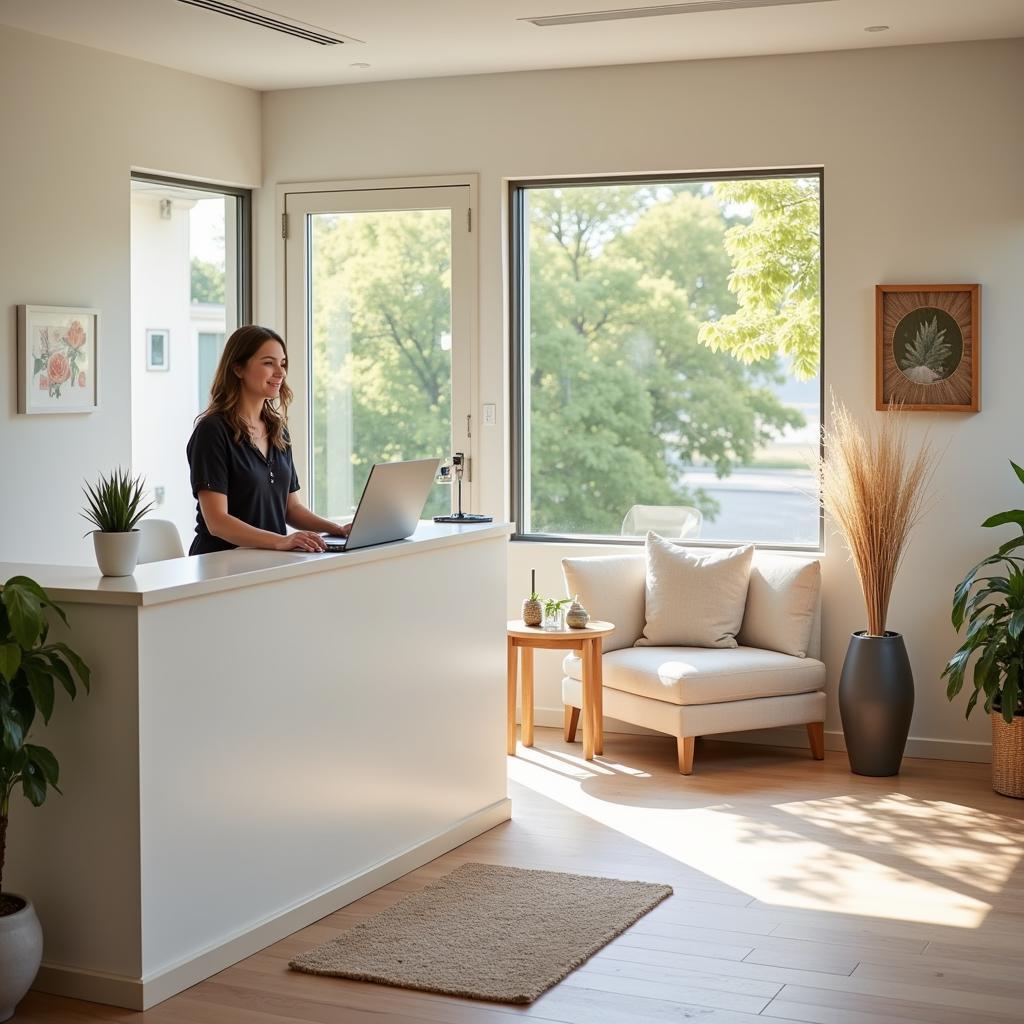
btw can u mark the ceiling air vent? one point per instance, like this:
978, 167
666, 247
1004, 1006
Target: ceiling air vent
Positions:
662, 9
266, 19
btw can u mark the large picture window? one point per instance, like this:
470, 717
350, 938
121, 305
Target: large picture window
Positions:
667, 358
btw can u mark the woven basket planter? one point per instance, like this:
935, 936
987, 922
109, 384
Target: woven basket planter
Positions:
1008, 755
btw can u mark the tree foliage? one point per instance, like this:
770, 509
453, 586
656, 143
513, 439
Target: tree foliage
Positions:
621, 393
207, 282
776, 275
381, 371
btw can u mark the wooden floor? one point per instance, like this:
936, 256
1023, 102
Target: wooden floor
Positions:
802, 893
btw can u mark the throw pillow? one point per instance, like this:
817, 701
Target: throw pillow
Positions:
781, 601
611, 587
694, 598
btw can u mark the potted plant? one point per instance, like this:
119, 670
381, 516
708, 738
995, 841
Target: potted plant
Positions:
994, 615
532, 612
114, 506
554, 613
875, 492
29, 671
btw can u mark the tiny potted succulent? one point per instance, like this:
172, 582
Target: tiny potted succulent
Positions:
30, 668
989, 600
532, 610
114, 506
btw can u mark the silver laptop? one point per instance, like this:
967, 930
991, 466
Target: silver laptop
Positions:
391, 504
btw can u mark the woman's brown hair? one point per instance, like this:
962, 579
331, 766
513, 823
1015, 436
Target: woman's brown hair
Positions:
226, 389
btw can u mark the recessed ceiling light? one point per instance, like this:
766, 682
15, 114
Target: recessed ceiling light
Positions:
361, 64
877, 28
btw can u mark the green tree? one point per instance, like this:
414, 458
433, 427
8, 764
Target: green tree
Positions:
382, 316
207, 281
622, 395
776, 275
621, 392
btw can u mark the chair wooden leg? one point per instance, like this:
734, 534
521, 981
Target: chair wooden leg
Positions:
572, 718
685, 744
816, 735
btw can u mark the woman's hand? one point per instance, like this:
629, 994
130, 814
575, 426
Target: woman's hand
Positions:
340, 531
302, 540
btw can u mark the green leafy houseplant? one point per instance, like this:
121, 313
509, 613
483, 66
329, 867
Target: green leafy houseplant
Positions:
552, 606
30, 668
994, 614
114, 503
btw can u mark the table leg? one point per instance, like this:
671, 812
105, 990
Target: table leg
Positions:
527, 656
598, 698
588, 701
511, 737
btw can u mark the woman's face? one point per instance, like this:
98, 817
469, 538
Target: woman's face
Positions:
264, 372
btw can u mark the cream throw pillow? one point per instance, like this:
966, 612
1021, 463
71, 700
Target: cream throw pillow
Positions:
694, 599
782, 599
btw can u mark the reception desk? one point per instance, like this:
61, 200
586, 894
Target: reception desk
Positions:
269, 737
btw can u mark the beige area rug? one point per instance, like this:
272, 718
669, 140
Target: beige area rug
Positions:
487, 932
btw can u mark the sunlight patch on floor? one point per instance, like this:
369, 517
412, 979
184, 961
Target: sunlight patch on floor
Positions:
930, 833
887, 839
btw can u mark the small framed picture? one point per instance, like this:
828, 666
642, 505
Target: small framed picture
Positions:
57, 359
158, 356
928, 347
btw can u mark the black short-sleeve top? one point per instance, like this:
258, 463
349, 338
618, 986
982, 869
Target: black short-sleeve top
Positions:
257, 487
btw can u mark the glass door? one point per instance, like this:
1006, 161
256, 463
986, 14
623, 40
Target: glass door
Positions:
380, 289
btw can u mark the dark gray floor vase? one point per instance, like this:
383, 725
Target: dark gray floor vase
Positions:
876, 701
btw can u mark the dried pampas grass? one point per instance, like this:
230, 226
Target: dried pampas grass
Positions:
875, 492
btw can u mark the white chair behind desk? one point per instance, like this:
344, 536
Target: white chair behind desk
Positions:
160, 540
665, 520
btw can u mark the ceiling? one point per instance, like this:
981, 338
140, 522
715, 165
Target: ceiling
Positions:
400, 39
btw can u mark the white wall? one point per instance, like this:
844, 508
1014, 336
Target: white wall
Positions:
923, 149
75, 122
160, 298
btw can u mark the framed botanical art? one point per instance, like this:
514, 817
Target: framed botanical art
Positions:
57, 359
158, 355
928, 347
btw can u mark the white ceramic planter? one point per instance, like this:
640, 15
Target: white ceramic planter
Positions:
21, 951
117, 554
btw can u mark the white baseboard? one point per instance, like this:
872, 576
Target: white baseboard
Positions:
143, 993
796, 736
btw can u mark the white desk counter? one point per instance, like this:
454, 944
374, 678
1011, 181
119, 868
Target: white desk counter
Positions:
270, 735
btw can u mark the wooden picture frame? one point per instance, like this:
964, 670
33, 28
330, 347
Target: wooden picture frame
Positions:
57, 357
928, 347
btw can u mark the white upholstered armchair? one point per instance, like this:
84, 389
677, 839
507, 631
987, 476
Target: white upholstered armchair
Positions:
769, 676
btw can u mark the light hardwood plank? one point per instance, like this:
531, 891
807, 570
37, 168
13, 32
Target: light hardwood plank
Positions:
888, 1007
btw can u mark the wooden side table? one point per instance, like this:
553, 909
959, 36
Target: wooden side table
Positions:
588, 641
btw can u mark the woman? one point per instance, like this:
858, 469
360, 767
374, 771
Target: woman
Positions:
241, 458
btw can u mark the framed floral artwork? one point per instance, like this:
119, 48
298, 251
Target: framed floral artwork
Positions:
928, 347
57, 359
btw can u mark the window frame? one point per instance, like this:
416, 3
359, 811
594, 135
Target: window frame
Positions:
518, 306
243, 254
